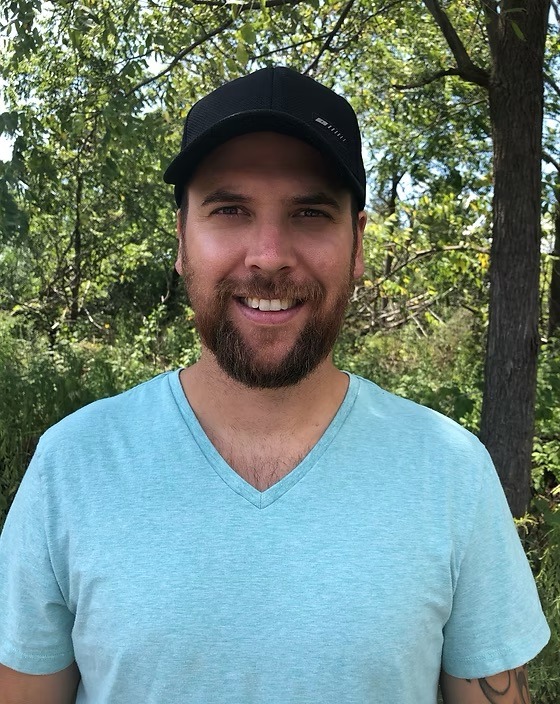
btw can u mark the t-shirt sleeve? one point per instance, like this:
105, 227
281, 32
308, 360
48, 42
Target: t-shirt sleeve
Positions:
35, 623
496, 622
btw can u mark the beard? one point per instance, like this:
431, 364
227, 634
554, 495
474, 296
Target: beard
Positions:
237, 358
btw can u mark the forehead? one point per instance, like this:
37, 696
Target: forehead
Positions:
266, 158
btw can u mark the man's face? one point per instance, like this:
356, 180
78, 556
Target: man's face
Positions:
268, 254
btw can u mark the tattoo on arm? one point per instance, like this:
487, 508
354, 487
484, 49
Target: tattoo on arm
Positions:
509, 687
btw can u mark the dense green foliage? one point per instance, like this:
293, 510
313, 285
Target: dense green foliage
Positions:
95, 93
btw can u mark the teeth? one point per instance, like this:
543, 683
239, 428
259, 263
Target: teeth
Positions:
266, 304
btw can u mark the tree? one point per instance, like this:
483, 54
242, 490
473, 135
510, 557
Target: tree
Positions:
516, 33
97, 89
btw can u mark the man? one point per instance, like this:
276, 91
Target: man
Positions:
262, 527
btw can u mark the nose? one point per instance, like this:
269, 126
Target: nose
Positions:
270, 248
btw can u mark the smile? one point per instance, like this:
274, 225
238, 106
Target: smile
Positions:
269, 304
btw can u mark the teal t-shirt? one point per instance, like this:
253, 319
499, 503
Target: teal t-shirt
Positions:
387, 553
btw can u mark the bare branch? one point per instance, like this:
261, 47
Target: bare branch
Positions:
363, 25
331, 35
290, 46
491, 13
551, 160
556, 10
548, 79
254, 5
467, 69
396, 317
428, 253
451, 37
180, 56
429, 79
92, 321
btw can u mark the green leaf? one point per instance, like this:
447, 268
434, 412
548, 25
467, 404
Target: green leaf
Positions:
241, 54
517, 29
248, 33
129, 70
8, 122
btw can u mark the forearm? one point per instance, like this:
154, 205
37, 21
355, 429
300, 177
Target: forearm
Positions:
20, 688
510, 687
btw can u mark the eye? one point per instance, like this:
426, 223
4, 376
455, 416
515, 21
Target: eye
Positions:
228, 210
312, 213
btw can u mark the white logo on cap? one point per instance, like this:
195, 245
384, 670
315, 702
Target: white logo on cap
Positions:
330, 128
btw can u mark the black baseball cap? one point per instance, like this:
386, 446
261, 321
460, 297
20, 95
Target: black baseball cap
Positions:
276, 99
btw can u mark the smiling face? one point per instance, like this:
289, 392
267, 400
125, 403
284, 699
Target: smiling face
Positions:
268, 254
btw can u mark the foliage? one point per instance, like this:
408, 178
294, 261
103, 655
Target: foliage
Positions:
95, 94
540, 531
50, 381
438, 365
546, 450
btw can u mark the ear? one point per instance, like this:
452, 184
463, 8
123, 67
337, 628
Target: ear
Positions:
180, 248
359, 259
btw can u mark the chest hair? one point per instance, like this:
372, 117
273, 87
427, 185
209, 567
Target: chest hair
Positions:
260, 462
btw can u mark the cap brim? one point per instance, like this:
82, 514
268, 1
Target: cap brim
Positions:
182, 168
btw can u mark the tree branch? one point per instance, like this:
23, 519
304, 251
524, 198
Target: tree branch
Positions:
556, 10
551, 160
180, 56
467, 69
430, 79
331, 35
548, 79
253, 5
390, 319
490, 8
290, 46
428, 253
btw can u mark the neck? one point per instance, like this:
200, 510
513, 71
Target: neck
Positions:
216, 398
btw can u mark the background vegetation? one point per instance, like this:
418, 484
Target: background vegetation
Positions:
95, 93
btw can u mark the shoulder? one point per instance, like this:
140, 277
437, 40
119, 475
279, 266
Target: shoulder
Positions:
97, 422
418, 429
426, 461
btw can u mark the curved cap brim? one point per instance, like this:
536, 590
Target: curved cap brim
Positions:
182, 168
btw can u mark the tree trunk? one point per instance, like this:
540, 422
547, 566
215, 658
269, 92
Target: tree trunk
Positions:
516, 112
554, 302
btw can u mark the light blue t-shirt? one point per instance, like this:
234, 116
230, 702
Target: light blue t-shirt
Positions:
387, 553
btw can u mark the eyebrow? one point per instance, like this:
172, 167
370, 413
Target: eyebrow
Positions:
222, 195
317, 198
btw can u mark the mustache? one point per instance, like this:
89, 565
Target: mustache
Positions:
262, 286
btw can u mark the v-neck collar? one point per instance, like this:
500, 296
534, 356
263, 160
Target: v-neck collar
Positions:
261, 499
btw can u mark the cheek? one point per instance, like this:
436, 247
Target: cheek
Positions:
213, 253
333, 267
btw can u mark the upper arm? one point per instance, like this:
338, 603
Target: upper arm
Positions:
509, 687
496, 620
20, 688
